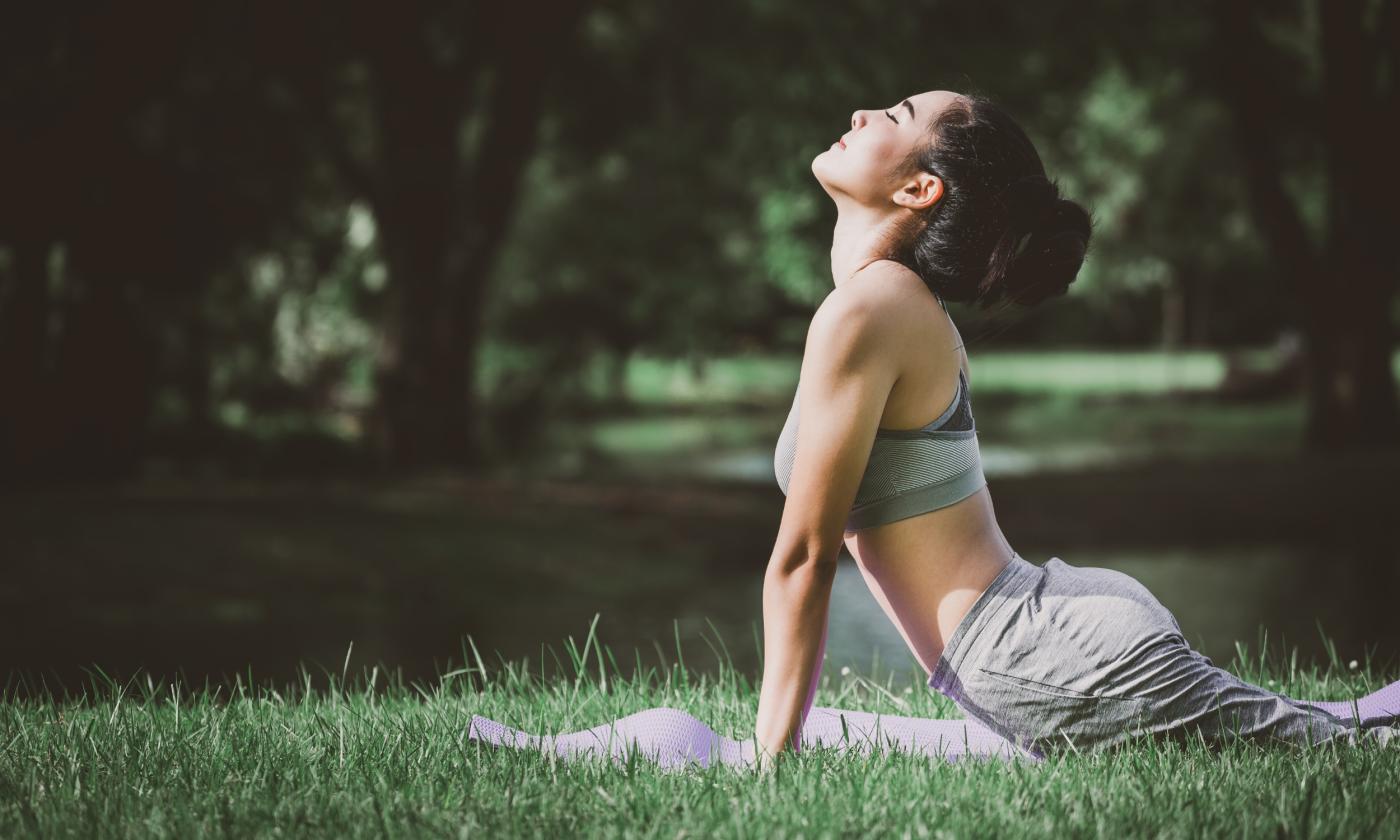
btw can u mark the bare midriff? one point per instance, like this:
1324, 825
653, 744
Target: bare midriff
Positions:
927, 571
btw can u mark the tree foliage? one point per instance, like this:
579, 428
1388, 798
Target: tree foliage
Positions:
413, 228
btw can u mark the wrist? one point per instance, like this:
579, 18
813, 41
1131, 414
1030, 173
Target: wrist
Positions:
766, 759
772, 746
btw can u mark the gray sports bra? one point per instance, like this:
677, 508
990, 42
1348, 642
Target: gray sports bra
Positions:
911, 471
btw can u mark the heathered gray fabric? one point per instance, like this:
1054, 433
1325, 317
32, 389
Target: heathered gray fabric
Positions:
910, 471
1059, 656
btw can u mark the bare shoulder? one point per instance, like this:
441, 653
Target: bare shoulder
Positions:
883, 301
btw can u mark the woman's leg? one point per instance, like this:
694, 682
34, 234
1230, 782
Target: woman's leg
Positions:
1184, 694
1061, 655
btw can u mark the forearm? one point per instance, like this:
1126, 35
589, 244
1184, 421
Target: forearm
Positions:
816, 678
795, 605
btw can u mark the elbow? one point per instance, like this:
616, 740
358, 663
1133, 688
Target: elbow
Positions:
798, 586
807, 560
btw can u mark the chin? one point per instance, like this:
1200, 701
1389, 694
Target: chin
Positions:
820, 167
830, 186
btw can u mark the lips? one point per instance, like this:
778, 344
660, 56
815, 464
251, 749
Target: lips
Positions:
841, 142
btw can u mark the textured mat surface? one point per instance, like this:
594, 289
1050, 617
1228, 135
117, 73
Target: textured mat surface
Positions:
1376, 707
672, 738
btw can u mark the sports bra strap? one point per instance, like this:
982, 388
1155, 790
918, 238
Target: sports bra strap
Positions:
956, 331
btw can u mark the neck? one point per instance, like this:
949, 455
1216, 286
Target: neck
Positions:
862, 236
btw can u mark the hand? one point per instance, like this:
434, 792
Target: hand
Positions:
765, 763
766, 760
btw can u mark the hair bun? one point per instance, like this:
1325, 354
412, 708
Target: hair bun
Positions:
1028, 201
1045, 258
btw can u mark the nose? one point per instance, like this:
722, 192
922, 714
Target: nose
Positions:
857, 119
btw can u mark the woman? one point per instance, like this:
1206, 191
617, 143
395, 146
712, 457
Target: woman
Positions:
943, 197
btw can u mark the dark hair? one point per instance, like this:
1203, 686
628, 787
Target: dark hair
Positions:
1001, 231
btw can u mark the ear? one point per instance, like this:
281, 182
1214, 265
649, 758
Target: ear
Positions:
921, 192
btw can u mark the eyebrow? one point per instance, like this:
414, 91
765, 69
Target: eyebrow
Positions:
906, 104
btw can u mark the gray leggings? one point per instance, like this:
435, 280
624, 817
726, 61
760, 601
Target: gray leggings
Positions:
1059, 655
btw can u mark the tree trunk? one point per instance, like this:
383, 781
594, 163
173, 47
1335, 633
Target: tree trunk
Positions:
1346, 296
105, 383
418, 106
24, 319
1350, 386
443, 222
412, 397
1352, 397
195, 378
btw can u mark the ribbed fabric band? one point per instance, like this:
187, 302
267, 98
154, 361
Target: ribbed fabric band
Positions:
909, 471
918, 500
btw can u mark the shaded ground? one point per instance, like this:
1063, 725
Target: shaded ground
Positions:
208, 579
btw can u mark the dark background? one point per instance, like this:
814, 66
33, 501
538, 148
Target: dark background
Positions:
325, 323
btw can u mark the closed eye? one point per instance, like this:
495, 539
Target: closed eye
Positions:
892, 119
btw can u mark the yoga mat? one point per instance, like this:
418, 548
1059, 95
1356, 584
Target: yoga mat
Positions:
1375, 708
672, 738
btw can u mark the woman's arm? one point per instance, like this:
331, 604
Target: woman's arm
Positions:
795, 605
816, 679
848, 369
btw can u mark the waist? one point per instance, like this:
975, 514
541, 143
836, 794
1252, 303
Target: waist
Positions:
933, 567
1009, 584
964, 528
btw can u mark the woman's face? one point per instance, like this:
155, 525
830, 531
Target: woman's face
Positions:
864, 164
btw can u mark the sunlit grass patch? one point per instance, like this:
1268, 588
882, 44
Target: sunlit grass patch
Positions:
371, 754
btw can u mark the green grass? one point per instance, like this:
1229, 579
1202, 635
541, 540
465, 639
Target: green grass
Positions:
1075, 372
370, 757
1045, 410
655, 380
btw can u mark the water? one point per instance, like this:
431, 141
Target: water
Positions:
212, 581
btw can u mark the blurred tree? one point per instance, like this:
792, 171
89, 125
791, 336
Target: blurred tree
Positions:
638, 228
675, 210
139, 158
182, 187
1323, 79
430, 113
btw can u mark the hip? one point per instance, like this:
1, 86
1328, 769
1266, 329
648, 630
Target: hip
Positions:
1057, 650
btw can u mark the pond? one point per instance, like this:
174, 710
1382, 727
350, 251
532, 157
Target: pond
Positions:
260, 581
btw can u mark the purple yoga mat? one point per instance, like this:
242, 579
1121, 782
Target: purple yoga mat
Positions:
1374, 708
672, 738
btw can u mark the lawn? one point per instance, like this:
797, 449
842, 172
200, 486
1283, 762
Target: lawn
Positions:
198, 578
1036, 411
371, 756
